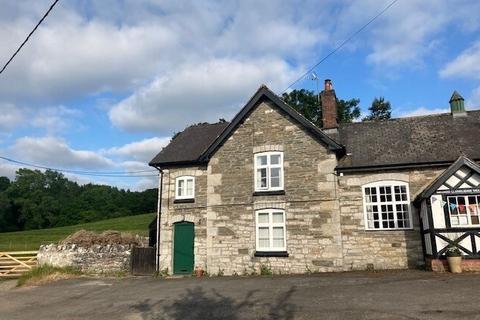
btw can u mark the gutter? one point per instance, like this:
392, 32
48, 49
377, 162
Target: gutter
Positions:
159, 206
394, 166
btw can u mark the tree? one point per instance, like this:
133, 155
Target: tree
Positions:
307, 103
379, 110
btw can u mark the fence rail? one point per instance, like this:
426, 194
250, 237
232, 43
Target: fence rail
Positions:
14, 264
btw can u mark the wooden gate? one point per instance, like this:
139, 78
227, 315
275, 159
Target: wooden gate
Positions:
143, 261
14, 264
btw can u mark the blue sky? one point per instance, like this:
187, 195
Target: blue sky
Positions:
102, 85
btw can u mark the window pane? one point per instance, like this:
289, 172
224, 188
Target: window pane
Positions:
275, 177
263, 237
275, 159
181, 185
189, 187
263, 217
278, 237
262, 178
261, 160
277, 217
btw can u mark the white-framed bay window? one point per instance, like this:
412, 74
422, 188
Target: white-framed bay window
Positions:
269, 171
185, 187
387, 205
270, 230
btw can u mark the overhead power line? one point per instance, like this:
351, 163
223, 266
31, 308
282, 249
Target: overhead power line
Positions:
130, 174
28, 37
353, 35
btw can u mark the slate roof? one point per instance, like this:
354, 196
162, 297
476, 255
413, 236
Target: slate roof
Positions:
189, 145
424, 140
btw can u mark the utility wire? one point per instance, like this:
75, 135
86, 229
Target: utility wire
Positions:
86, 173
29, 35
342, 44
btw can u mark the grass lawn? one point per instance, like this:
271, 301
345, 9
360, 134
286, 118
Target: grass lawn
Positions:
32, 239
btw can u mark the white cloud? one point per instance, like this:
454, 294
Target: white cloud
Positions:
473, 102
423, 111
467, 64
55, 152
54, 119
143, 150
196, 93
10, 116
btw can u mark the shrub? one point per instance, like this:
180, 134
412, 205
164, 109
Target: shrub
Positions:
265, 270
453, 251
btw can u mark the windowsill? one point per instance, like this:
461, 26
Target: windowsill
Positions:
192, 200
269, 193
282, 254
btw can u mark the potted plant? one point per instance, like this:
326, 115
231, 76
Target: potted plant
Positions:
454, 258
199, 272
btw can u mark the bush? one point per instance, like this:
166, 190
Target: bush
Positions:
453, 251
265, 270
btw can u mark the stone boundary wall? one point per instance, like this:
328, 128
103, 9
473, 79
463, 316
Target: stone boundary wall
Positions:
94, 259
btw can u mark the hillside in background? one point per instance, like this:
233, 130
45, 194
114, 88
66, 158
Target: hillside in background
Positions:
32, 239
40, 200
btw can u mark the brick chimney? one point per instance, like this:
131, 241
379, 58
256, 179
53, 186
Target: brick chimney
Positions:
329, 106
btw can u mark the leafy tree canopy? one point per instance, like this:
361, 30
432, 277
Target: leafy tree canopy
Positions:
47, 199
308, 104
379, 110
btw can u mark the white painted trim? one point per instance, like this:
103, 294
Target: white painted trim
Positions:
270, 226
185, 179
268, 166
392, 184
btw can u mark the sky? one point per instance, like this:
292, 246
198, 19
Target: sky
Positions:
102, 85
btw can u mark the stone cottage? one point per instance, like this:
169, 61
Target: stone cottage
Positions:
271, 189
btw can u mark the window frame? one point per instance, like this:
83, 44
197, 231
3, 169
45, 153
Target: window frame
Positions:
392, 184
268, 166
468, 213
270, 224
185, 179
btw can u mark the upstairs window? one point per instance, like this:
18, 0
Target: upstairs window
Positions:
387, 205
271, 234
185, 187
269, 171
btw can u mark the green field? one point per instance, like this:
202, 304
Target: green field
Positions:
32, 239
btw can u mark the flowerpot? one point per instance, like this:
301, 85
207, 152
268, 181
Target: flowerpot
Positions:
199, 273
455, 264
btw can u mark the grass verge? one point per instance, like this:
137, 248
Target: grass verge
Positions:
46, 274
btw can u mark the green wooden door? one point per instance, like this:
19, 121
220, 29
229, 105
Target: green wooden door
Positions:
183, 248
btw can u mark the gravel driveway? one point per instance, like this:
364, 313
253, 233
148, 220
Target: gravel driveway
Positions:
388, 295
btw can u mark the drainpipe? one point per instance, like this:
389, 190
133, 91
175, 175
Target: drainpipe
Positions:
159, 206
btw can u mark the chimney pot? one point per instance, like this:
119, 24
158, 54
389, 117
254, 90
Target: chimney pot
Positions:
328, 85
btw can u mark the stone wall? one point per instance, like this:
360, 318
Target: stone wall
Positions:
225, 220
95, 259
173, 212
388, 249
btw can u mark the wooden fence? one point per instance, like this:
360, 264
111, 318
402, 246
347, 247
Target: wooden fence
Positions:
14, 264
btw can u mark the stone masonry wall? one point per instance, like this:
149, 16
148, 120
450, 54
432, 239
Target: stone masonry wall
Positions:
95, 259
392, 249
176, 212
311, 209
